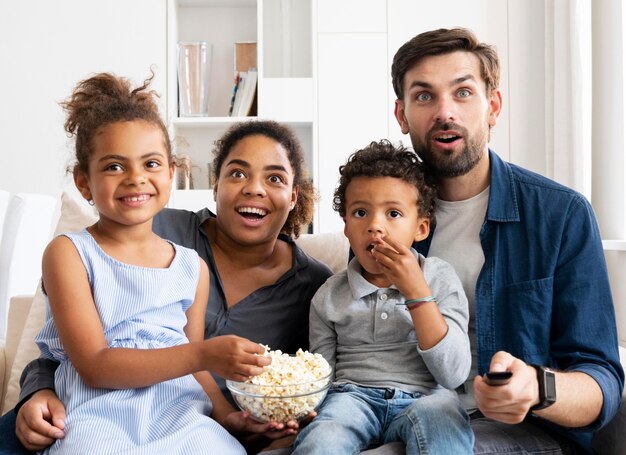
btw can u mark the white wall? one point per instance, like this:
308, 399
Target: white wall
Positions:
45, 48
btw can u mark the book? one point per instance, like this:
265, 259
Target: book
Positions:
232, 98
238, 92
243, 98
244, 94
249, 92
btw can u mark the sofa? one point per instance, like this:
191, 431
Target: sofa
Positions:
27, 314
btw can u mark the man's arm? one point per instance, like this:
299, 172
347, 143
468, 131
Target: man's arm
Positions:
579, 397
583, 339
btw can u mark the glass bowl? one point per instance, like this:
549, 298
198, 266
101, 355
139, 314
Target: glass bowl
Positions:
279, 403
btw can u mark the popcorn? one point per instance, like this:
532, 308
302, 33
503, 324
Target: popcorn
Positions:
288, 389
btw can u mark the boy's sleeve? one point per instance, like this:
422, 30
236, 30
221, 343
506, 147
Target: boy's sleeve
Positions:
449, 361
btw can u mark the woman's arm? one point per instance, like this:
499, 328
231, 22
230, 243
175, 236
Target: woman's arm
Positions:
82, 335
223, 412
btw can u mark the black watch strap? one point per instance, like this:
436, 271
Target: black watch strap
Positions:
547, 387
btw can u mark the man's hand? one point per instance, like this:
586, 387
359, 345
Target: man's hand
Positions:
40, 420
511, 402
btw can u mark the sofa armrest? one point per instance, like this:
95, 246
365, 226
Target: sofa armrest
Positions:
3, 374
26, 348
18, 312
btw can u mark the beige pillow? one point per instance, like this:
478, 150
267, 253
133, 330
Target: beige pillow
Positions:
331, 248
75, 215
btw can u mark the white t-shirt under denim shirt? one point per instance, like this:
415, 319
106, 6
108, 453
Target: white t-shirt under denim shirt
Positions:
457, 241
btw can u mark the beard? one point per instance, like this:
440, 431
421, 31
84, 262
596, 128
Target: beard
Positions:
450, 163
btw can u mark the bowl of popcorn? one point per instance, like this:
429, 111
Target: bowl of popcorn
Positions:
290, 388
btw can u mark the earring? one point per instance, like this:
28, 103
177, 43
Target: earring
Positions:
91, 202
292, 205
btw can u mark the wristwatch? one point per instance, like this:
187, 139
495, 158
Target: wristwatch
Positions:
547, 388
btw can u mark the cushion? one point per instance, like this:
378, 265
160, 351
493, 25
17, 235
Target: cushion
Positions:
75, 215
331, 248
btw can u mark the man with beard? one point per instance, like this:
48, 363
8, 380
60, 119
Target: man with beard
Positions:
528, 252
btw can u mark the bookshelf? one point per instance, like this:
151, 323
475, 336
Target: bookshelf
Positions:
282, 31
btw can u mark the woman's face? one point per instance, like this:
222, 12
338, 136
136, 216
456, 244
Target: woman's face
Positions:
254, 192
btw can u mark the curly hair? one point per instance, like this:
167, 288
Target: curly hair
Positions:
445, 41
302, 214
383, 159
104, 99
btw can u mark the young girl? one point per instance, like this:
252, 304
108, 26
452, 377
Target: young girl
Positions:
126, 308
271, 306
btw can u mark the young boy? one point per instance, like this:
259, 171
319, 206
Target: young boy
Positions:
394, 324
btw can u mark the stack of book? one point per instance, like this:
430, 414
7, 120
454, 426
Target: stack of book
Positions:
243, 100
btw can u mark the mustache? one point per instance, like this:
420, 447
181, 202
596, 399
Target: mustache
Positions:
440, 126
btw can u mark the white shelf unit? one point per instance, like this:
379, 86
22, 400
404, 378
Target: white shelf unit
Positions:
282, 30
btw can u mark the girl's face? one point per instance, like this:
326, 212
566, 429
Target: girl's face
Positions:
130, 177
254, 192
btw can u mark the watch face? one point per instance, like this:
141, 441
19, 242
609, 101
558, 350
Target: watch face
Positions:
550, 387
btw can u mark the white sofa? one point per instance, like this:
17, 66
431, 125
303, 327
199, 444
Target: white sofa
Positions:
27, 315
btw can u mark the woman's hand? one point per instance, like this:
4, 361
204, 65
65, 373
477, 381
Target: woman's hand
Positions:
41, 420
240, 423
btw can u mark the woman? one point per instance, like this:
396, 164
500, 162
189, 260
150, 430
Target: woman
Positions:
261, 282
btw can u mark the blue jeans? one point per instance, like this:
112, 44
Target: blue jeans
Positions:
493, 437
352, 418
9, 444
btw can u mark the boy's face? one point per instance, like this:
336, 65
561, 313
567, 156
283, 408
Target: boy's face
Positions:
378, 208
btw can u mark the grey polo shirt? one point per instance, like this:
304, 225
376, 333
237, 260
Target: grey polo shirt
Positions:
370, 340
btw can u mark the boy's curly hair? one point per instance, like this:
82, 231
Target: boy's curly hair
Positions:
383, 159
302, 214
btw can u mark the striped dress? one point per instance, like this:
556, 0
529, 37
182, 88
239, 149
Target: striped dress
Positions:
140, 308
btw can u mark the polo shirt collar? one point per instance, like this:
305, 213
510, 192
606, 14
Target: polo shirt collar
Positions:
359, 286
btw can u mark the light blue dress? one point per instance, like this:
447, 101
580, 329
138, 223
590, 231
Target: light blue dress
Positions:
140, 308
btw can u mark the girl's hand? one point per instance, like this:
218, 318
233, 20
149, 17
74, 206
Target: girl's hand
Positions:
400, 265
233, 357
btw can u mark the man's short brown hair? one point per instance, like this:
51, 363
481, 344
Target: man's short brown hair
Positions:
445, 41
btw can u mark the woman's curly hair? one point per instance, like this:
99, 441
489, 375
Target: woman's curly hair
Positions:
383, 159
104, 99
302, 214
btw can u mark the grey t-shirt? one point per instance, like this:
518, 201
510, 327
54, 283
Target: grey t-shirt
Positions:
276, 315
368, 337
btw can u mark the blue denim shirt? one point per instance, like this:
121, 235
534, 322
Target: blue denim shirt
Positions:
543, 293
